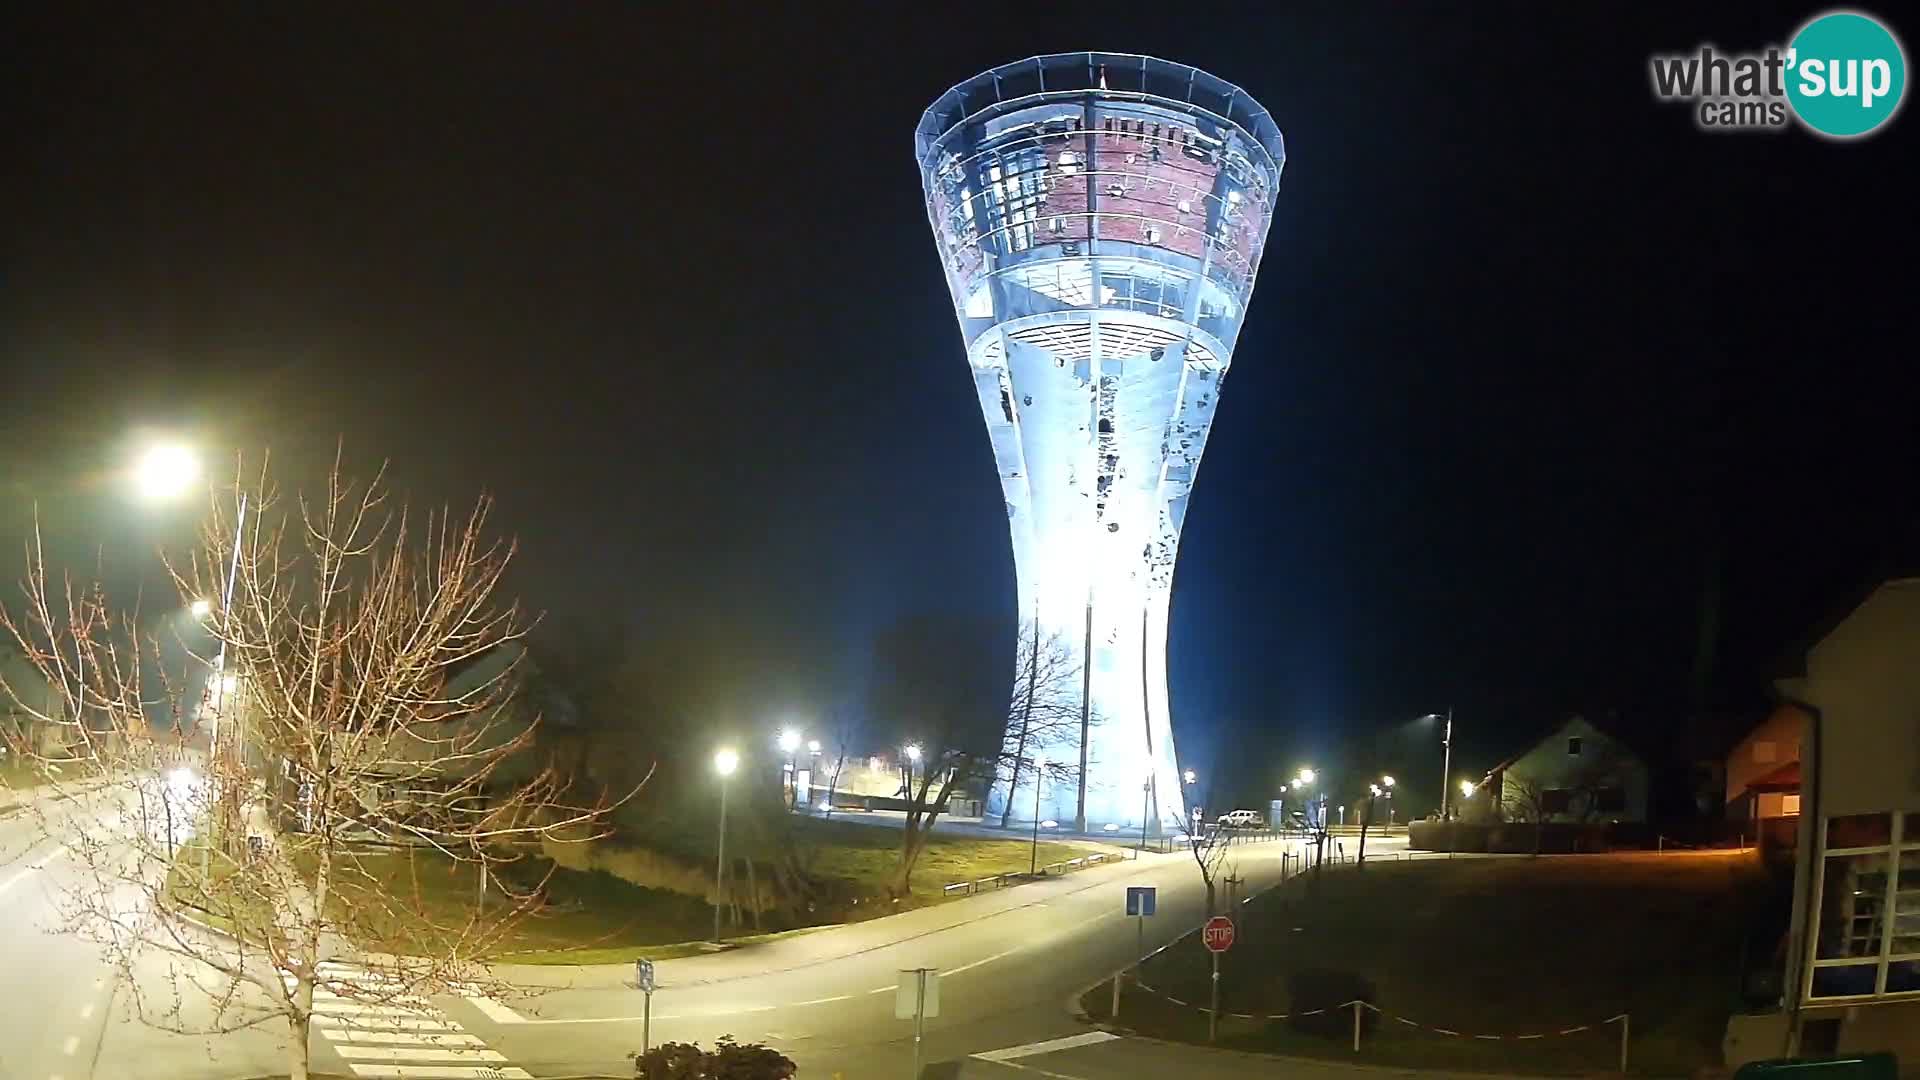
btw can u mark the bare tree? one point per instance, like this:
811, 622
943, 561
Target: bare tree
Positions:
359, 737
1043, 710
1525, 798
1209, 847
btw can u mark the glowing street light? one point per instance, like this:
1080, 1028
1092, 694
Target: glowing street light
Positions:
913, 751
1387, 780
1190, 777
789, 740
725, 761
1306, 777
813, 746
200, 608
1466, 789
166, 470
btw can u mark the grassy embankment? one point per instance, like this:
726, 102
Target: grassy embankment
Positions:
1481, 947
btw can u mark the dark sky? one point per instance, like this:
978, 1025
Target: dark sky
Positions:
1529, 360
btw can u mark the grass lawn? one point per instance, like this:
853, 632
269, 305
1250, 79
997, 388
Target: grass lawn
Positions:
597, 918
583, 910
593, 917
862, 857
1480, 946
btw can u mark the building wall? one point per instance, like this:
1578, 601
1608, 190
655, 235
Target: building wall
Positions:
1551, 765
1774, 743
1857, 886
1865, 680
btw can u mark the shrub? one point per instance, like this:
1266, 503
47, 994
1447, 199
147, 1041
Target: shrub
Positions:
728, 1060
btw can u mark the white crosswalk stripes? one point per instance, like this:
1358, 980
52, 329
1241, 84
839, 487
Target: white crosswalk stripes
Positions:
398, 1036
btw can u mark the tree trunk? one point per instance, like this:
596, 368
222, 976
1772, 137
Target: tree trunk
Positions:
1213, 905
833, 785
1026, 726
299, 1052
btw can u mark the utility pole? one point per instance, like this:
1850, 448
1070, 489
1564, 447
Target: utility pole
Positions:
1446, 763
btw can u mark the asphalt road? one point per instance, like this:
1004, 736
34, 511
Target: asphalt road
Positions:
56, 987
1009, 963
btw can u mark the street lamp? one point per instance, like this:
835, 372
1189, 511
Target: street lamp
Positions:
1446, 756
789, 743
724, 762
1466, 789
166, 470
1374, 792
813, 746
1039, 774
913, 757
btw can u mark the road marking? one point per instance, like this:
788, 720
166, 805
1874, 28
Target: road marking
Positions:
353, 1008
440, 1071
449, 1039
374, 1023
395, 1055
31, 867
72, 1044
1085, 1038
823, 1001
884, 989
86, 1010
977, 963
495, 1011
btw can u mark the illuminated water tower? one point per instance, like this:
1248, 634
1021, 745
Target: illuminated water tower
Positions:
1101, 217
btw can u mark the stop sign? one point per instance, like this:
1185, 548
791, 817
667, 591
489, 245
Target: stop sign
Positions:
1217, 935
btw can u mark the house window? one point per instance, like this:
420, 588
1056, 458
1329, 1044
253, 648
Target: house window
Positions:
1763, 752
1555, 801
1789, 805
1867, 936
1573, 746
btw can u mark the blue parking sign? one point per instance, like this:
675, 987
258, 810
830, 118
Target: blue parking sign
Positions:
1139, 899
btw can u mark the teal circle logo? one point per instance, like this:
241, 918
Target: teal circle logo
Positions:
1846, 74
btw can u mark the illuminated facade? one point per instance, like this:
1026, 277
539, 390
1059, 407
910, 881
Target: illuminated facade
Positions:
1101, 218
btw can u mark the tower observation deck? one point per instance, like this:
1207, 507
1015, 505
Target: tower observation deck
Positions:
1101, 217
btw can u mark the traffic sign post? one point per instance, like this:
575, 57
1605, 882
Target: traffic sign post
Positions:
1217, 936
1140, 904
916, 998
643, 978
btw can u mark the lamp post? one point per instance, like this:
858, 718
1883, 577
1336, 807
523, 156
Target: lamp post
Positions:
1374, 791
1146, 811
1446, 756
789, 744
724, 762
913, 758
1039, 774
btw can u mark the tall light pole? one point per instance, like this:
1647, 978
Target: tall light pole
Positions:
1446, 756
790, 746
724, 762
1039, 773
913, 757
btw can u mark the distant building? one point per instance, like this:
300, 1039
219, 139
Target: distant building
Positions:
1578, 773
1763, 770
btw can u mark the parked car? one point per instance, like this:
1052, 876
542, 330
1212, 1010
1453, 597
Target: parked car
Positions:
1240, 819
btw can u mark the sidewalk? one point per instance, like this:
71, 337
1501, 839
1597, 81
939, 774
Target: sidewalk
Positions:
835, 943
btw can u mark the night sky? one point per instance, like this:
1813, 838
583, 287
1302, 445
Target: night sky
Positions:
1535, 372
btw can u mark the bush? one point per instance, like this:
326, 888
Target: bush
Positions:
728, 1060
